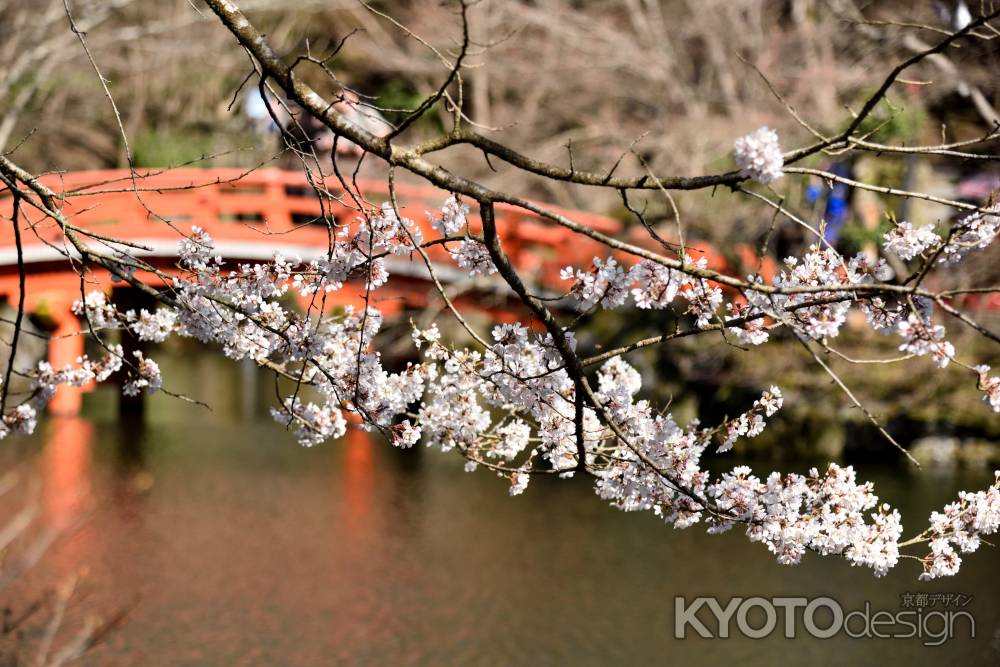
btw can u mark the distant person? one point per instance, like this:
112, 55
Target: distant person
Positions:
256, 112
956, 14
836, 206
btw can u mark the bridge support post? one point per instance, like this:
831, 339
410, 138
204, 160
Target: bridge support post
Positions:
65, 347
131, 408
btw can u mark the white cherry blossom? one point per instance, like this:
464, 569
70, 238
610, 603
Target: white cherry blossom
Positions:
758, 155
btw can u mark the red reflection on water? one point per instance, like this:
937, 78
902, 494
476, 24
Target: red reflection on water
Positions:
358, 478
66, 470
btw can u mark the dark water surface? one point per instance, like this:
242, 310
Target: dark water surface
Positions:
238, 547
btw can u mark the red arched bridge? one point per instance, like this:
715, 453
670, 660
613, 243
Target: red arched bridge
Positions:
250, 216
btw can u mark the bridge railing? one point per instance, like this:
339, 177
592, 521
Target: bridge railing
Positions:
272, 209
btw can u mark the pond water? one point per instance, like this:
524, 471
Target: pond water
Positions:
231, 545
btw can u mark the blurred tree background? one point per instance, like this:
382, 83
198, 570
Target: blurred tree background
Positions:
675, 80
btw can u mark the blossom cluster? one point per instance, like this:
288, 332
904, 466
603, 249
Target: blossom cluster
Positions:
241, 310
652, 286
45, 380
146, 376
830, 514
920, 337
758, 155
751, 424
990, 386
803, 280
656, 286
452, 219
906, 242
472, 256
958, 529
519, 369
660, 470
812, 295
973, 232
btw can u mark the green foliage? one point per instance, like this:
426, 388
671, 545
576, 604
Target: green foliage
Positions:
43, 318
854, 237
893, 120
163, 149
398, 97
